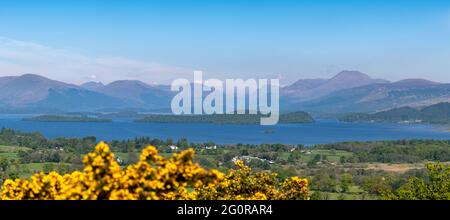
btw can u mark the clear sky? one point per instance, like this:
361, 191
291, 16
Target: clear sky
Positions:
157, 41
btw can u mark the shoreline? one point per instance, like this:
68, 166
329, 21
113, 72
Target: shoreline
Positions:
308, 134
442, 128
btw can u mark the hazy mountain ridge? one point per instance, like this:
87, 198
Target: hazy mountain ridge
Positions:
348, 91
376, 95
34, 93
28, 88
319, 87
379, 97
302, 85
94, 86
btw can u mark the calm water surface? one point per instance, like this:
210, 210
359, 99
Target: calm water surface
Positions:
323, 131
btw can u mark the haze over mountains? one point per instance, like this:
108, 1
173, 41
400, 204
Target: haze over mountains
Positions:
34, 93
313, 88
348, 91
367, 95
134, 93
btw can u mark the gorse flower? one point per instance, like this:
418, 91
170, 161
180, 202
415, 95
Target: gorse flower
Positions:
153, 178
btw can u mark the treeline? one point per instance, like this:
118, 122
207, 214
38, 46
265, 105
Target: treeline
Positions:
294, 117
402, 151
68, 149
36, 140
210, 154
64, 118
434, 114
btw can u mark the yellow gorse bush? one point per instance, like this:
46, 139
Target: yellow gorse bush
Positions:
153, 178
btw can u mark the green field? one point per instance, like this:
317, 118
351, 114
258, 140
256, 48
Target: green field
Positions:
4, 148
355, 193
11, 152
25, 170
332, 156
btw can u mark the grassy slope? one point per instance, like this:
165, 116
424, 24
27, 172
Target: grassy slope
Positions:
11, 152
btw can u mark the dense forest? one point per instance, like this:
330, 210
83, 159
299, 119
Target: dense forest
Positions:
402, 151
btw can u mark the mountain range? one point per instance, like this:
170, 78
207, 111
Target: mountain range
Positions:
347, 91
372, 96
309, 89
34, 93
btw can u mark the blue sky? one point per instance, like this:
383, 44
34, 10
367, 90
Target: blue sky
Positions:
157, 41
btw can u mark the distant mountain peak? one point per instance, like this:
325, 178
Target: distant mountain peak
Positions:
28, 88
415, 83
351, 74
349, 79
303, 90
93, 83
30, 76
128, 83
137, 93
94, 86
357, 75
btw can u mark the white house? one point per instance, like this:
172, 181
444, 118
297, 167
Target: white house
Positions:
211, 147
